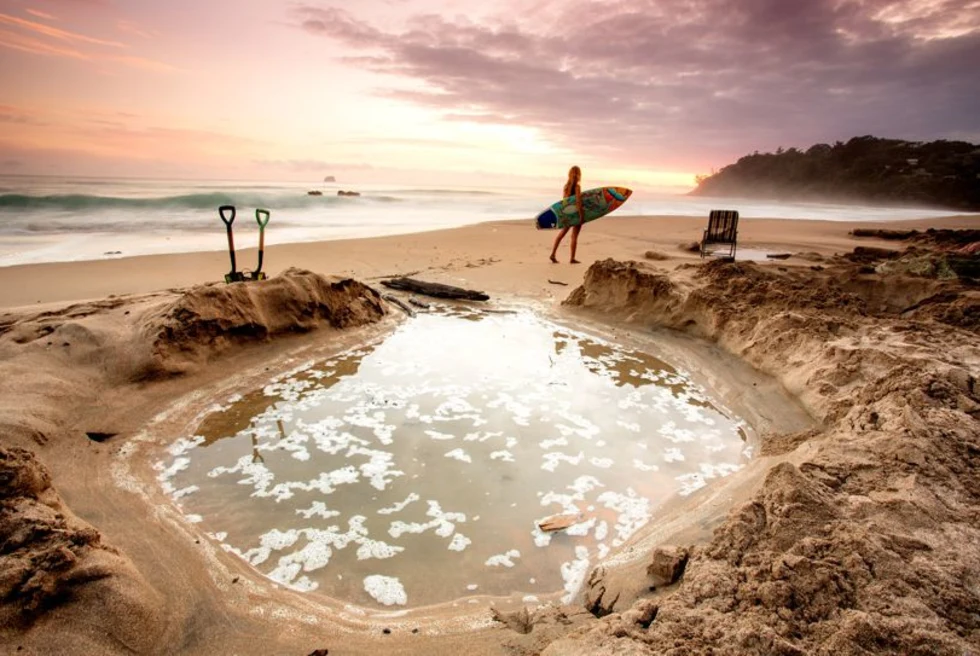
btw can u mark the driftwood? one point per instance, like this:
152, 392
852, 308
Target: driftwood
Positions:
419, 304
558, 282
779, 256
435, 289
559, 522
397, 301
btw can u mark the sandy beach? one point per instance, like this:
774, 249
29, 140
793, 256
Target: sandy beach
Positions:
857, 535
506, 257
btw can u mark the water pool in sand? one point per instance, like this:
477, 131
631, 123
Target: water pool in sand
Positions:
414, 470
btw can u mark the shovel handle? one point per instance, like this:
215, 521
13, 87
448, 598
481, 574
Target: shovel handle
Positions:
259, 214
227, 209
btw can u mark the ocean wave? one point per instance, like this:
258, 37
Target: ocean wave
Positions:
203, 201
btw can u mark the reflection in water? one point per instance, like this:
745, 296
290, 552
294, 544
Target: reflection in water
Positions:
415, 470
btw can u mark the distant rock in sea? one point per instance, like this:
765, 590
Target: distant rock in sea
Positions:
330, 178
348, 193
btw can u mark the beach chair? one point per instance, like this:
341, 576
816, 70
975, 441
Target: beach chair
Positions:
722, 230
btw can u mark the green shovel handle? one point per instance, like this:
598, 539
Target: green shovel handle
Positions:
258, 218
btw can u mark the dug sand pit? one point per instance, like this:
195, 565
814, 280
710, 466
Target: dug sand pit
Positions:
866, 542
76, 384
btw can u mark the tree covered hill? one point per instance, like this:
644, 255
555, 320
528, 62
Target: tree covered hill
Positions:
865, 169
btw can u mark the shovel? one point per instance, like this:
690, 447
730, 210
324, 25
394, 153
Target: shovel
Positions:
262, 218
229, 210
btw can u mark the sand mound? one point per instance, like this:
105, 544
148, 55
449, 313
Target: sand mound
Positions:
204, 322
868, 543
49, 558
65, 389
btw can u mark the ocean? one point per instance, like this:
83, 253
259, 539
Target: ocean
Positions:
58, 219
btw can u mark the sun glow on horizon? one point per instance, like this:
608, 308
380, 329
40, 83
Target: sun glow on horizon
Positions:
433, 89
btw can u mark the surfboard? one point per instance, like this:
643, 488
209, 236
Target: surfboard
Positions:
596, 203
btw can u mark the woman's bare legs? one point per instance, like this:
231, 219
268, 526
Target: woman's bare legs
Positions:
575, 230
554, 249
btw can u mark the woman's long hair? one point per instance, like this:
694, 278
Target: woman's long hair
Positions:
574, 177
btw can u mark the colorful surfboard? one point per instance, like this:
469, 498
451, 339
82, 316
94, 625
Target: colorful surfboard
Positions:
596, 203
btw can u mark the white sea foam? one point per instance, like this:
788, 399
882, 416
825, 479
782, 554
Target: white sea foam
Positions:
377, 549
178, 465
550, 444
541, 538
182, 445
634, 512
459, 542
573, 573
386, 590
444, 523
582, 528
400, 506
553, 459
185, 491
503, 560
459, 454
318, 509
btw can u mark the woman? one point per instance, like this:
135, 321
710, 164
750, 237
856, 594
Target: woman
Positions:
572, 188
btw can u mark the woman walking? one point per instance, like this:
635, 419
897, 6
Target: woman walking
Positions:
572, 188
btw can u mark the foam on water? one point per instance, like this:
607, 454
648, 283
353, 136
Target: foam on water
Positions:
422, 464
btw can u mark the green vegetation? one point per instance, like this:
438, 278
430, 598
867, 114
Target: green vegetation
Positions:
865, 169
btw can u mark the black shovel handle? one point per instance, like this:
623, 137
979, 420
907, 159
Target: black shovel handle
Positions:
222, 211
227, 209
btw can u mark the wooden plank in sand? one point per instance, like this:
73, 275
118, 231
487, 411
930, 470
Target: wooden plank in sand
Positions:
559, 522
397, 301
435, 289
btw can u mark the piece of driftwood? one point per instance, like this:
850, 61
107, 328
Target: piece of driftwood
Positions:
559, 522
779, 256
435, 289
419, 304
558, 282
397, 301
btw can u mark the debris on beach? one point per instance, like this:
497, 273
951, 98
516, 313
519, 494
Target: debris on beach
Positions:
438, 290
394, 300
559, 522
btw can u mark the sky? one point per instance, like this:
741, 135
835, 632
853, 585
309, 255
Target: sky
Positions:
646, 93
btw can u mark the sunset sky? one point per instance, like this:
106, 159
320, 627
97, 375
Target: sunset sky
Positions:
640, 92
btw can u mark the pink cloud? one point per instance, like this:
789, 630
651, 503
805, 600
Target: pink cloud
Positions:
26, 43
40, 14
654, 80
130, 27
39, 39
55, 33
